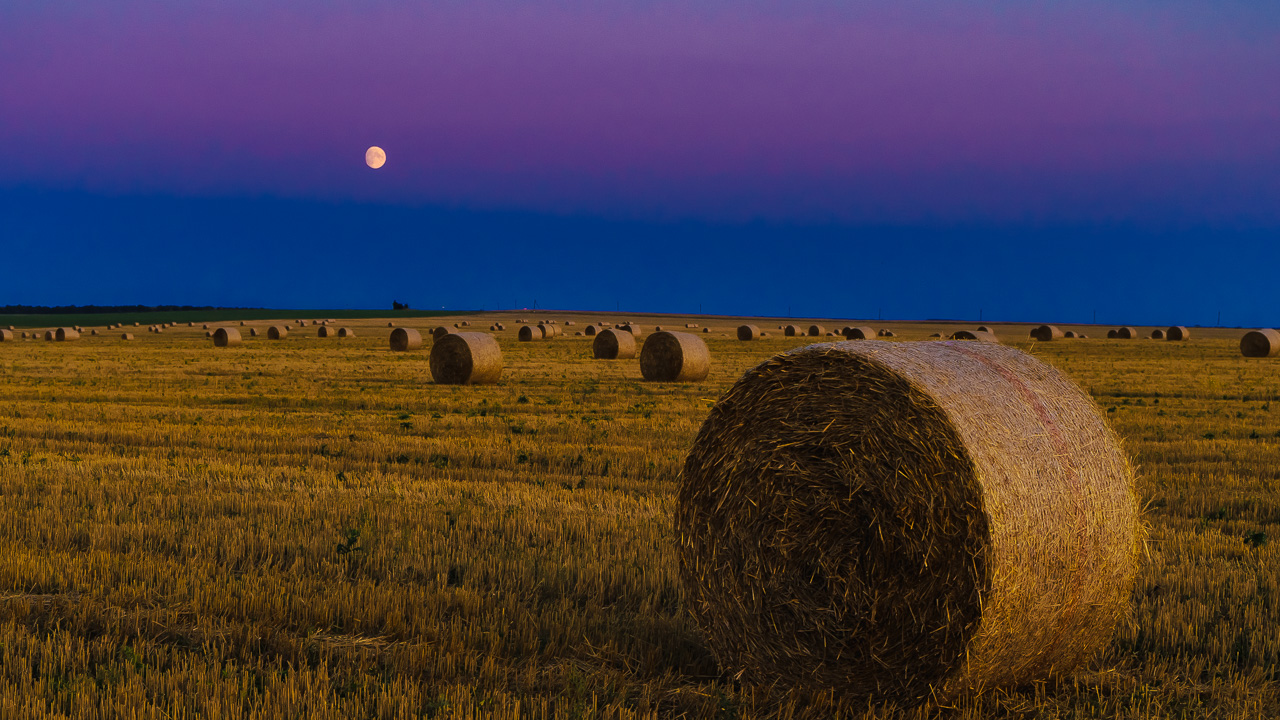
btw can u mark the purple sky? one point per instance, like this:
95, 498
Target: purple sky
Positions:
900, 112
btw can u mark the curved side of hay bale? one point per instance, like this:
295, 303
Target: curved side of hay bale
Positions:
792, 331
894, 519
346, 332
1126, 333
226, 337
613, 345
748, 332
324, 331
1157, 334
674, 357
126, 336
1260, 343
1045, 333
50, 335
405, 339
441, 331
63, 334
1067, 334
974, 335
985, 328
817, 331
253, 332
7, 335
1113, 334
277, 332
860, 333
1177, 332
590, 330
529, 333
467, 358
550, 331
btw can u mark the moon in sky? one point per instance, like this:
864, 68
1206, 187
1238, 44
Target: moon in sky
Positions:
374, 157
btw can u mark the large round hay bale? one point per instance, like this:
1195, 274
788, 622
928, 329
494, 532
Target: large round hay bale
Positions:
346, 332
891, 520
324, 331
1260, 343
126, 336
792, 331
974, 335
1113, 334
549, 331
226, 337
529, 333
468, 358
405, 339
859, 333
817, 331
65, 333
441, 331
985, 328
1157, 334
1127, 333
613, 345
748, 332
1045, 333
591, 330
674, 357
50, 335
1067, 334
277, 332
1177, 332
7, 335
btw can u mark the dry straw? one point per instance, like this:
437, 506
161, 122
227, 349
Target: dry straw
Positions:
1045, 333
346, 332
974, 335
901, 521
1126, 333
405, 339
1177, 332
1157, 334
674, 357
325, 331
126, 336
817, 331
748, 332
7, 335
277, 332
529, 333
63, 333
226, 337
1067, 334
49, 335
691, 325
253, 332
468, 358
1260, 343
614, 345
791, 331
591, 329
859, 333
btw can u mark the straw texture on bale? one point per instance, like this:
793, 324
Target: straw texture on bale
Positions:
691, 325
674, 357
7, 335
1157, 334
791, 331
277, 332
1067, 334
613, 345
1177, 332
405, 339
226, 337
253, 332
468, 358
748, 332
325, 331
817, 331
1045, 333
441, 331
897, 521
973, 335
859, 333
66, 334
549, 331
1260, 343
346, 332
591, 330
1126, 333
529, 333
126, 336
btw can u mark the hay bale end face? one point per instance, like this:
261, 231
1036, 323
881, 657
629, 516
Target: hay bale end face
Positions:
63, 334
1157, 334
895, 519
1126, 333
529, 333
1177, 332
674, 357
748, 332
985, 328
1260, 343
974, 335
277, 332
405, 339
226, 337
859, 333
468, 358
613, 345
791, 330
817, 331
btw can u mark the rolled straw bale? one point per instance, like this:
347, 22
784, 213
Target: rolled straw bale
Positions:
936, 335
466, 323
894, 520
457, 325
190, 324
1157, 334
346, 332
135, 324
674, 357
1177, 332
1260, 343
974, 335
49, 335
277, 332
126, 336
1045, 333
1127, 333
614, 345
206, 326
93, 331
860, 333
549, 331
405, 339
570, 322
633, 328
1069, 334
691, 325
440, 331
1083, 337
7, 335
791, 331
529, 333
226, 337
62, 334
253, 332
816, 330
579, 334
657, 328
25, 336
208, 333
391, 324
241, 323
324, 331
1113, 334
468, 358
985, 328
12, 327
887, 333
707, 330
748, 332
591, 329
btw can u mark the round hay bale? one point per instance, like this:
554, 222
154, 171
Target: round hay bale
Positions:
208, 333
457, 325
614, 345
135, 324
550, 331
346, 332
748, 332
894, 520
791, 330
12, 327
253, 332
570, 322
126, 336
324, 331
93, 331
816, 331
1083, 337
529, 333
391, 324
226, 337
1067, 334
241, 323
468, 358
466, 323
206, 326
887, 333
1113, 334
691, 325
440, 331
1126, 333
1045, 333
1177, 332
277, 332
674, 357
633, 329
936, 335
706, 329
190, 324
1157, 334
25, 336
50, 335
859, 333
657, 328
579, 334
1260, 343
7, 335
590, 330
974, 335
63, 334
985, 328
405, 339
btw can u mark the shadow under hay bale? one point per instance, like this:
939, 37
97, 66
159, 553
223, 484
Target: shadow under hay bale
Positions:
859, 333
277, 332
1045, 333
613, 345
890, 520
529, 333
674, 357
63, 334
226, 337
1260, 343
467, 358
405, 339
1177, 332
748, 332
974, 335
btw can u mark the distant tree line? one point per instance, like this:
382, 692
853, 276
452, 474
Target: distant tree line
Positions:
90, 309
397, 305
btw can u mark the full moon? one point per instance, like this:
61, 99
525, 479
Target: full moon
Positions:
374, 157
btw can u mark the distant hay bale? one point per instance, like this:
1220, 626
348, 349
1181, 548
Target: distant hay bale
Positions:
457, 325
466, 323
50, 335
1069, 334
1045, 333
226, 337
569, 322
324, 331
277, 332
1157, 334
63, 334
985, 328
405, 339
7, 335
391, 324
936, 335
550, 331
591, 330
657, 328
208, 333
706, 329
613, 345
93, 331
816, 330
579, 334
792, 330
674, 357
901, 521
206, 326
126, 336
440, 331
859, 333
12, 327
885, 332
346, 332
748, 332
135, 324
1126, 333
241, 323
1113, 334
1260, 343
1177, 332
1083, 337
529, 333
25, 336
253, 332
468, 358
691, 325
632, 328
190, 324
974, 335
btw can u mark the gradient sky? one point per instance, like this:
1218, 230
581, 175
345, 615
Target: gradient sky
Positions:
1030, 160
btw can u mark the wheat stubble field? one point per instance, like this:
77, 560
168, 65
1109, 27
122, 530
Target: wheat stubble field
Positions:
311, 528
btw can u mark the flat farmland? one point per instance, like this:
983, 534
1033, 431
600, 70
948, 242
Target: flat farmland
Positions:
311, 528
